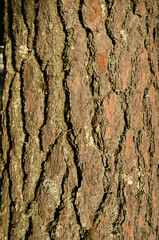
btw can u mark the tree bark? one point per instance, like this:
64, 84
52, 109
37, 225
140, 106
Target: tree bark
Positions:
80, 118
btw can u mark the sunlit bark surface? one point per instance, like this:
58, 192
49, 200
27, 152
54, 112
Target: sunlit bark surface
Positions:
80, 118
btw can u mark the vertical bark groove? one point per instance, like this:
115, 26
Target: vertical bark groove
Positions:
67, 111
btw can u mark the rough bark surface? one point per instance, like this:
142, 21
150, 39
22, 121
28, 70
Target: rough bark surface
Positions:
80, 118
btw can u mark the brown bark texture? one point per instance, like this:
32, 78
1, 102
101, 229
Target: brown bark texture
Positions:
80, 118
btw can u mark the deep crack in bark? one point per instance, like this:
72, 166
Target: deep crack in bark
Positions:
24, 128
40, 62
54, 223
8, 157
25, 20
109, 5
98, 103
67, 112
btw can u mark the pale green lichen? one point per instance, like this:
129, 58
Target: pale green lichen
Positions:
103, 7
51, 187
90, 140
124, 34
128, 179
50, 26
23, 50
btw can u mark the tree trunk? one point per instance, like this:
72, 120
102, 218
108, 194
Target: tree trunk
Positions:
80, 118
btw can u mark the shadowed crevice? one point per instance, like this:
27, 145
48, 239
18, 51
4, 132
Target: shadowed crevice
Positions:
134, 4
25, 19
99, 211
46, 100
2, 60
109, 5
122, 205
10, 32
97, 117
54, 223
39, 182
7, 166
95, 81
11, 144
67, 111
1, 22
41, 178
45, 77
24, 124
127, 122
30, 229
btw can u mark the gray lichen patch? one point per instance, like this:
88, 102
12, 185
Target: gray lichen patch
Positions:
51, 188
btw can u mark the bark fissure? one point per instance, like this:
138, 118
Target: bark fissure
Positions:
109, 5
94, 82
41, 177
10, 32
43, 70
25, 20
99, 211
30, 229
120, 218
39, 182
2, 23
67, 112
125, 108
53, 224
24, 126
9, 159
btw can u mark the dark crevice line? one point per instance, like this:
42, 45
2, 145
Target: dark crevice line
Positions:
10, 31
134, 5
1, 183
109, 5
118, 167
41, 178
45, 77
7, 166
151, 151
30, 229
2, 74
46, 100
23, 13
54, 223
95, 89
126, 127
122, 201
24, 125
98, 110
67, 111
149, 205
112, 72
100, 209
138, 150
98, 103
147, 42
157, 38
94, 85
2, 22
25, 19
151, 65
